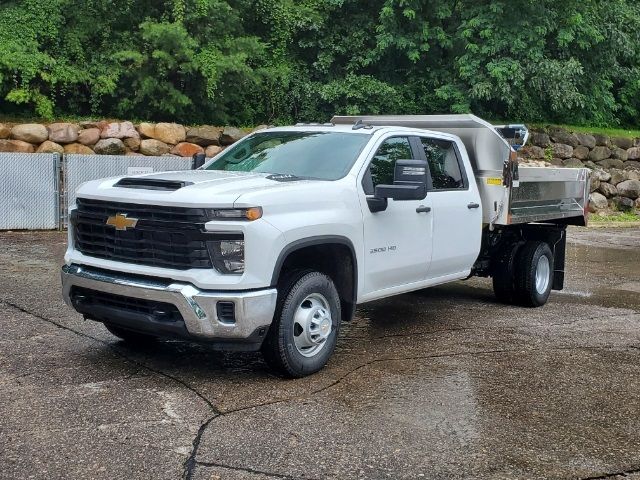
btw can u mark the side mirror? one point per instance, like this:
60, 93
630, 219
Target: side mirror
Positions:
198, 160
409, 181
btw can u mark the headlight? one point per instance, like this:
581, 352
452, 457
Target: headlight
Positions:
253, 213
227, 255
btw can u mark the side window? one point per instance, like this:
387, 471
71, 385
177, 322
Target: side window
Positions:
443, 164
382, 165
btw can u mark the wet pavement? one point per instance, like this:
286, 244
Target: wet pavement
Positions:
442, 383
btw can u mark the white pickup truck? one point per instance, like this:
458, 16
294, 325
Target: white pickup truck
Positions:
272, 243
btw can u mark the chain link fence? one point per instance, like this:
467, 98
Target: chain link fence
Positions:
37, 189
29, 191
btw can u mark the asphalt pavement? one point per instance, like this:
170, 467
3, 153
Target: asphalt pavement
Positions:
442, 383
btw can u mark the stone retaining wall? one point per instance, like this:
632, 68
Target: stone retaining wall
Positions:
614, 161
117, 138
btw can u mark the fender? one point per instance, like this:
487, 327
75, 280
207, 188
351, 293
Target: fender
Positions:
317, 240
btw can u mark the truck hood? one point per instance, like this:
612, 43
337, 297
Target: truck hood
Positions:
201, 188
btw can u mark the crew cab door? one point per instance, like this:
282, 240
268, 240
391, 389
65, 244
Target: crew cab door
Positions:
397, 239
456, 207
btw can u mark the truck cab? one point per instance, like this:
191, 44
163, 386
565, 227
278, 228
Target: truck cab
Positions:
271, 244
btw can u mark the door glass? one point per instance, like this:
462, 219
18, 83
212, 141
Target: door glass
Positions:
443, 164
384, 162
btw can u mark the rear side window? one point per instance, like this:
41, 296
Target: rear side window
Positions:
444, 164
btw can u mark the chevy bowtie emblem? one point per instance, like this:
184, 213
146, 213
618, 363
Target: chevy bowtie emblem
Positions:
121, 222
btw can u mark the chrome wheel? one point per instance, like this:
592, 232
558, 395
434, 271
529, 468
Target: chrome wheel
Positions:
312, 324
543, 274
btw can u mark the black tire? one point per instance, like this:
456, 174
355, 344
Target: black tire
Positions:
279, 349
503, 275
129, 336
526, 293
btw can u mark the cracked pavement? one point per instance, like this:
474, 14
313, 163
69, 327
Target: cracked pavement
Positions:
441, 383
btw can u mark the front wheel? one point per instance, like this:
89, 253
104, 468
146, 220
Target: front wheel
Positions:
305, 327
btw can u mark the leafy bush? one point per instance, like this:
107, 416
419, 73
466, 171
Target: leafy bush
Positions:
248, 62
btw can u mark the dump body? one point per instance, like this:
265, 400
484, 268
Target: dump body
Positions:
510, 195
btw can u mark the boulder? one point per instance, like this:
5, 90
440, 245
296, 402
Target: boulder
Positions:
602, 140
619, 153
170, 133
30, 132
16, 146
637, 204
573, 163
231, 135
599, 153
601, 175
611, 163
590, 164
594, 184
78, 148
63, 132
5, 132
561, 150
89, 136
540, 139
597, 201
633, 175
212, 151
586, 140
109, 146
629, 189
132, 143
131, 153
260, 127
50, 147
558, 162
632, 165
186, 149
147, 130
617, 176
204, 135
153, 147
118, 130
560, 135
633, 153
623, 204
581, 152
531, 151
622, 142
607, 190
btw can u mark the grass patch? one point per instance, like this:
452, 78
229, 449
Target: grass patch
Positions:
612, 132
618, 217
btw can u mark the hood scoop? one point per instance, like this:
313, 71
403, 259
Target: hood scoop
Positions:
152, 184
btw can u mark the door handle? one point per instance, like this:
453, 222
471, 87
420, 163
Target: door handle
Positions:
423, 209
473, 205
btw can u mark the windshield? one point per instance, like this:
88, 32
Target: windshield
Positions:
314, 155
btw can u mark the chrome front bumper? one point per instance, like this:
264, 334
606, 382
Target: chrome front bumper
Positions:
253, 309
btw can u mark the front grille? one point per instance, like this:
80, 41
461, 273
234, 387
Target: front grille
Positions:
168, 237
85, 298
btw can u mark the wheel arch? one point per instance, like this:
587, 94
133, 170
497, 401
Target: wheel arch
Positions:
305, 253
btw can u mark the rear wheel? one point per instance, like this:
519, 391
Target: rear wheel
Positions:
129, 336
533, 274
503, 275
305, 327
